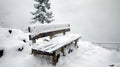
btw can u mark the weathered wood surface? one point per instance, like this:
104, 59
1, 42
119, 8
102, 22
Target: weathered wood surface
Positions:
52, 48
61, 42
47, 30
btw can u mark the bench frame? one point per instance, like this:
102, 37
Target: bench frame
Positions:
54, 55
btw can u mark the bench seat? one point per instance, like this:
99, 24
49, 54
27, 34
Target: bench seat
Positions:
57, 43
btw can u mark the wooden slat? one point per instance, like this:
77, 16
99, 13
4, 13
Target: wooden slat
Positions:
40, 35
39, 31
34, 51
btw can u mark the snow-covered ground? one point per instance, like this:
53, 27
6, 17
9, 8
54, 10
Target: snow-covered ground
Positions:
87, 55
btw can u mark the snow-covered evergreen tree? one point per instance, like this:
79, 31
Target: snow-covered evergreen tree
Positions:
42, 13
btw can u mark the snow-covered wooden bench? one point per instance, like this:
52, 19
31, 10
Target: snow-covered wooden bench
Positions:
55, 44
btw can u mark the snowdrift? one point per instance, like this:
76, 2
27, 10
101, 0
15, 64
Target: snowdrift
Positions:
87, 55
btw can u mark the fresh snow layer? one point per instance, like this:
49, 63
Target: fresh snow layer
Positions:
43, 28
87, 55
13, 39
56, 42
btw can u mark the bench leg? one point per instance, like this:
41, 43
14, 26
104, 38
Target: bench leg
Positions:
62, 50
33, 41
34, 52
58, 56
76, 43
54, 58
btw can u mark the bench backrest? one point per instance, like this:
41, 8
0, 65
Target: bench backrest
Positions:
44, 30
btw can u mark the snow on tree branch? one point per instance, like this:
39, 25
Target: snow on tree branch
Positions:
42, 13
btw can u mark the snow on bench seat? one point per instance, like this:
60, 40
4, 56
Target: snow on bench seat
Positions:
57, 43
44, 28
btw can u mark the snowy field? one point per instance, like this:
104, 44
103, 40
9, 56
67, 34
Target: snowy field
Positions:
87, 55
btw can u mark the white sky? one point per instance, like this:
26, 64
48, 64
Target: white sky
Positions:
95, 20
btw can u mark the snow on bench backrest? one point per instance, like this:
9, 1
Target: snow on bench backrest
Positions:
44, 28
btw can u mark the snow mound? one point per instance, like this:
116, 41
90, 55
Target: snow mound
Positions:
12, 40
